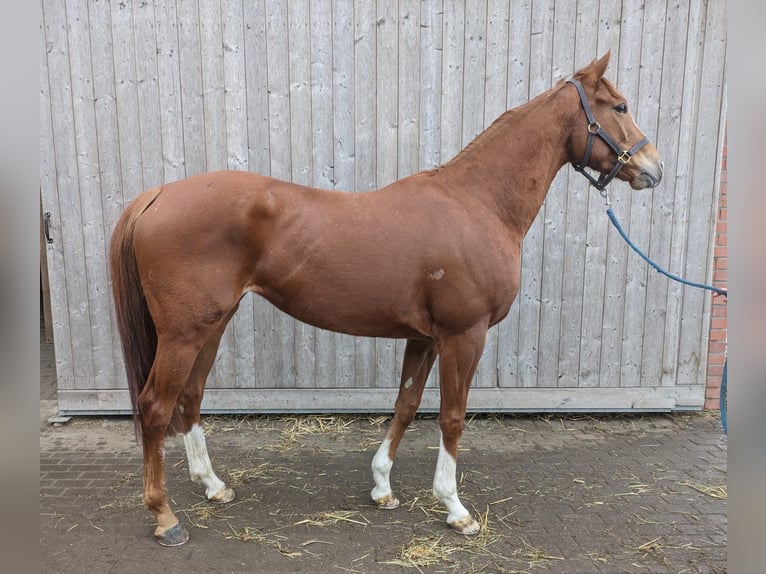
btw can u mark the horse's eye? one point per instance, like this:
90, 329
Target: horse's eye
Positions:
621, 108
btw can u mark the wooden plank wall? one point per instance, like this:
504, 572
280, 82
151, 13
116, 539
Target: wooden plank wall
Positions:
351, 96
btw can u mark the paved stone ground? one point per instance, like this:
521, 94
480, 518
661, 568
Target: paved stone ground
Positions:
585, 494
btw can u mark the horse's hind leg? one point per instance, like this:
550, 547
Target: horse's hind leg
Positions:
173, 363
418, 359
200, 468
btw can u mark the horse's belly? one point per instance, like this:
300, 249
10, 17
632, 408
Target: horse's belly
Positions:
361, 312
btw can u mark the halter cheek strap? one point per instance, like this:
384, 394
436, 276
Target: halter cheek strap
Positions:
594, 129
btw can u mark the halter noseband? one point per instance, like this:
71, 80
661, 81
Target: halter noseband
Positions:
594, 129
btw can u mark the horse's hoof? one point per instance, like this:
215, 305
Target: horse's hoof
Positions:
466, 526
174, 536
223, 496
387, 502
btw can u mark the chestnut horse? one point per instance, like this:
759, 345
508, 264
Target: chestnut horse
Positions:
433, 258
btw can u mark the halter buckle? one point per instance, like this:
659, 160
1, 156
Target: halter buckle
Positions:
594, 127
624, 157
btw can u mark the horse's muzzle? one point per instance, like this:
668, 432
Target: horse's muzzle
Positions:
648, 176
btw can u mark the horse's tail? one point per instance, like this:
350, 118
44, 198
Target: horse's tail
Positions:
134, 322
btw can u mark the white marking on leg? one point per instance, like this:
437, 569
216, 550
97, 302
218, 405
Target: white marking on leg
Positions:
445, 485
199, 462
381, 471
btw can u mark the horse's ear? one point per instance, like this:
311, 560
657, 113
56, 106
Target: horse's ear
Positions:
595, 70
600, 65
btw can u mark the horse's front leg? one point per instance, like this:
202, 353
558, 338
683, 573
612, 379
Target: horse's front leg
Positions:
418, 359
458, 358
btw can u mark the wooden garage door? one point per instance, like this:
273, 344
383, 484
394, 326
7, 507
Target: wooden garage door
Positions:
351, 96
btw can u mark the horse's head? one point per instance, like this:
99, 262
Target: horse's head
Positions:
604, 136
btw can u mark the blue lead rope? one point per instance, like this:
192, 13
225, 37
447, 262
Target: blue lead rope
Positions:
613, 218
716, 290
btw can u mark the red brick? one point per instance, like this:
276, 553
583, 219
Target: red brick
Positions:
718, 310
712, 404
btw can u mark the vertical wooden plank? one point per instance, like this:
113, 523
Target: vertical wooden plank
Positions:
105, 101
235, 101
641, 206
453, 51
127, 101
169, 87
408, 108
299, 70
519, 47
408, 112
321, 32
495, 97
591, 338
431, 27
519, 31
128, 143
365, 86
540, 64
693, 332
614, 272
190, 75
259, 160
279, 140
321, 41
474, 122
67, 185
651, 224
256, 82
234, 84
554, 217
627, 68
386, 144
496, 75
300, 145
431, 78
92, 230
475, 70
148, 93
669, 128
343, 114
686, 59
576, 293
62, 339
387, 92
211, 56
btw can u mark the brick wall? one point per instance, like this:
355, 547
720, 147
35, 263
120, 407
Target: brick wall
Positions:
717, 343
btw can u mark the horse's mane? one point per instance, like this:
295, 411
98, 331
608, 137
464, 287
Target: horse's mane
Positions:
500, 124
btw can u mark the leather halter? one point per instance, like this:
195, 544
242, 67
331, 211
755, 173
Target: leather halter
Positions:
594, 129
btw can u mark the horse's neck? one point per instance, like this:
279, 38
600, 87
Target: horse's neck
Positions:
511, 165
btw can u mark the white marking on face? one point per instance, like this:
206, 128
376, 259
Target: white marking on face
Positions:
200, 469
381, 470
408, 383
445, 485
